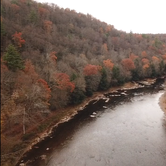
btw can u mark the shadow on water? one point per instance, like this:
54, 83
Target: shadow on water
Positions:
65, 131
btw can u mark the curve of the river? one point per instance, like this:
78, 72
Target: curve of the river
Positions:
132, 133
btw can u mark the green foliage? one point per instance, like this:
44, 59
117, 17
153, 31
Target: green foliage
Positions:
28, 136
15, 2
162, 67
157, 43
33, 17
3, 32
135, 75
103, 82
73, 77
144, 36
115, 73
13, 59
77, 96
89, 91
18, 147
153, 71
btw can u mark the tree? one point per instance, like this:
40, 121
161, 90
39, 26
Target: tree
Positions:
13, 59
90, 70
108, 63
63, 82
77, 96
17, 37
128, 64
103, 85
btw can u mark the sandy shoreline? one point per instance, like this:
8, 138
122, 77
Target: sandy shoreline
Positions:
162, 102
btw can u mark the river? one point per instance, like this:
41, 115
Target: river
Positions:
130, 132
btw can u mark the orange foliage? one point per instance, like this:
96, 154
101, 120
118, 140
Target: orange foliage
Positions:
164, 57
46, 87
30, 70
53, 56
138, 36
155, 59
101, 30
128, 64
48, 25
108, 28
42, 11
105, 48
145, 66
144, 54
133, 56
108, 63
145, 61
99, 68
18, 39
90, 70
63, 82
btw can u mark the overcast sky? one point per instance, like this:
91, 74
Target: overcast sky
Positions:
138, 16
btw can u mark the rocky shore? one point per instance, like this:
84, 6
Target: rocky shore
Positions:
97, 96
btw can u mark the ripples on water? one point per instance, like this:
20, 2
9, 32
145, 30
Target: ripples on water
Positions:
130, 134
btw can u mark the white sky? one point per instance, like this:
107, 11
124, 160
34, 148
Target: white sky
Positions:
138, 16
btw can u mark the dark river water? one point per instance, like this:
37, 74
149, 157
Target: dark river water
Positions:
130, 133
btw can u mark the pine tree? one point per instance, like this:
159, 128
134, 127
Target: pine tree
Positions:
103, 82
13, 59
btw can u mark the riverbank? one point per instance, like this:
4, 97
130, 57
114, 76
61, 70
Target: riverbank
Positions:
64, 115
162, 102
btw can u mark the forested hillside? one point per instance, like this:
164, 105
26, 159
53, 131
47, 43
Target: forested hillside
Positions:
53, 57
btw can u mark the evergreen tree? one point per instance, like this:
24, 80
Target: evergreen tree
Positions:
153, 71
13, 59
103, 82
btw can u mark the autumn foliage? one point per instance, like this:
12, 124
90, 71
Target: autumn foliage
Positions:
145, 63
133, 56
47, 90
53, 56
128, 64
144, 54
108, 63
63, 82
17, 37
90, 70
48, 26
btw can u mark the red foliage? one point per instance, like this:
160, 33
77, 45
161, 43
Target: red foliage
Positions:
30, 70
90, 70
164, 58
133, 56
128, 64
48, 25
145, 66
18, 39
145, 61
108, 63
42, 11
144, 54
46, 87
53, 56
63, 82
155, 59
